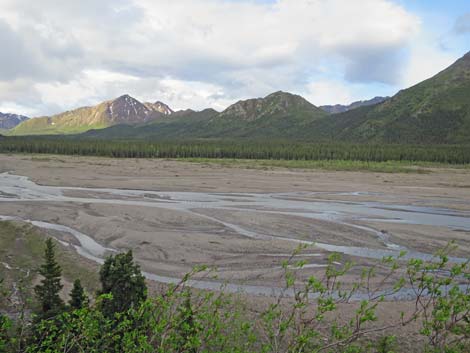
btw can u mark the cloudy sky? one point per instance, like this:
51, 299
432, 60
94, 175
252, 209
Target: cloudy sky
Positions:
58, 55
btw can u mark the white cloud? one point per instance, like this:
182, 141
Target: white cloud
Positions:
15, 107
239, 35
329, 92
88, 89
94, 86
191, 94
424, 62
198, 53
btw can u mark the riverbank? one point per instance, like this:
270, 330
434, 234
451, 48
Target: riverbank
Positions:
176, 215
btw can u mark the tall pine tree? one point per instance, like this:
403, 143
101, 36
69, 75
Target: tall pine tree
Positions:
78, 298
47, 292
121, 278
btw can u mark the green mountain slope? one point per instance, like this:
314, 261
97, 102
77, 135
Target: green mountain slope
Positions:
278, 115
124, 109
187, 123
434, 111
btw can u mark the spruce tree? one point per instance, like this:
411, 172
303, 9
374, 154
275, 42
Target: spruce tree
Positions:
78, 298
47, 292
121, 278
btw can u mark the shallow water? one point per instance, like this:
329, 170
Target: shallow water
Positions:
258, 290
19, 188
14, 188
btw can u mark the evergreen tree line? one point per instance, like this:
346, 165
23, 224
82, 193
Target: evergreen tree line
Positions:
123, 318
271, 150
122, 288
121, 280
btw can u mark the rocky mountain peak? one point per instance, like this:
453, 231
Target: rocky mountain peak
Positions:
159, 107
125, 99
163, 108
9, 121
126, 109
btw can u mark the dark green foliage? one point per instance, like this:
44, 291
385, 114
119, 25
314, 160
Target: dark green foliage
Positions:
387, 344
181, 124
5, 323
78, 298
122, 284
5, 327
434, 111
47, 293
187, 328
181, 320
309, 320
272, 150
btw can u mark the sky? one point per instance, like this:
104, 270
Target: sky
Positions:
59, 55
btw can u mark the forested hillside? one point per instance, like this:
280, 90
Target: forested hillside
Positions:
434, 111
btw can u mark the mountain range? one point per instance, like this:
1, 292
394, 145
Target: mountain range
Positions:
9, 121
339, 108
436, 110
122, 110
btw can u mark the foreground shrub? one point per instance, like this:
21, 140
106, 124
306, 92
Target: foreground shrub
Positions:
305, 316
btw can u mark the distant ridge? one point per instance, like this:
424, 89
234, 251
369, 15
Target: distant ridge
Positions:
279, 114
339, 108
9, 121
122, 110
279, 110
434, 111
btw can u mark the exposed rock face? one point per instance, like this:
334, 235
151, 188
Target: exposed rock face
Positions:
127, 110
122, 110
159, 107
9, 121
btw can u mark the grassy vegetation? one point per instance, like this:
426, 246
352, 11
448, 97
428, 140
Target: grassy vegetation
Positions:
334, 165
32, 127
266, 164
312, 319
21, 250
